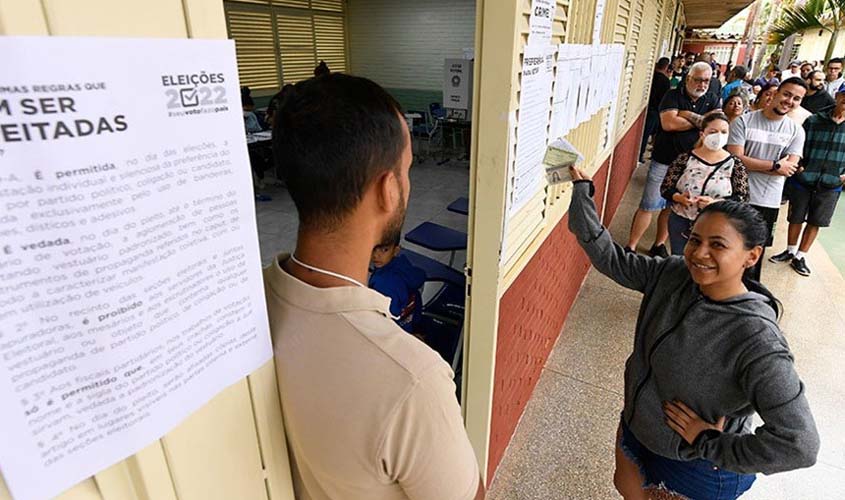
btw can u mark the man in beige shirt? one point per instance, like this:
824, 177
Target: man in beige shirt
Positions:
370, 411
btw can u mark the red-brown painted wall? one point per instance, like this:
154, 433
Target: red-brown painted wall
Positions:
699, 47
533, 310
624, 162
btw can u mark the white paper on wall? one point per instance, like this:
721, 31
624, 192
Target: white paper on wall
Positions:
130, 280
532, 124
540, 21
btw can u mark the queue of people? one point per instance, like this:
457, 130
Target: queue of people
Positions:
378, 417
764, 115
719, 173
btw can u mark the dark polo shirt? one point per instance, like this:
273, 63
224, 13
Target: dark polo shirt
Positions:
668, 145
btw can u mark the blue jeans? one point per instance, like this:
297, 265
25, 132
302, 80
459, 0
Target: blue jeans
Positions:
696, 479
679, 228
652, 200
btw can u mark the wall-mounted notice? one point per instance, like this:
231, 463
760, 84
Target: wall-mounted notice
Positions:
597, 21
532, 126
586, 80
130, 286
540, 22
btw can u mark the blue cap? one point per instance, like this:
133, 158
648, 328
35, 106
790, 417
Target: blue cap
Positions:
841, 88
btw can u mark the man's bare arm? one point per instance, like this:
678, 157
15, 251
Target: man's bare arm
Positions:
788, 164
672, 120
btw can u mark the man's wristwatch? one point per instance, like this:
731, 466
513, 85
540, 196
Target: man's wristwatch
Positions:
775, 166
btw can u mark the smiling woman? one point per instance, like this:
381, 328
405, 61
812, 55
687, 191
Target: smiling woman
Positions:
685, 427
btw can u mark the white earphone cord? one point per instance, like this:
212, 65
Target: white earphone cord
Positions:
327, 273
335, 275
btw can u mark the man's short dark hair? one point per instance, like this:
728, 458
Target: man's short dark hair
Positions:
835, 60
812, 73
333, 136
795, 80
739, 71
662, 63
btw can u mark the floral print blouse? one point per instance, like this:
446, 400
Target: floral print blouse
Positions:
727, 179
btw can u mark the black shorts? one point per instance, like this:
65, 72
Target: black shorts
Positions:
770, 215
815, 207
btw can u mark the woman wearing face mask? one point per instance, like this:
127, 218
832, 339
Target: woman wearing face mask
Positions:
708, 353
707, 174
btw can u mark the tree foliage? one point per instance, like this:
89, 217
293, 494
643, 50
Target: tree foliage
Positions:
815, 14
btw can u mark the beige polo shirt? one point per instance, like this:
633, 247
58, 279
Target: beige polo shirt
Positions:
370, 411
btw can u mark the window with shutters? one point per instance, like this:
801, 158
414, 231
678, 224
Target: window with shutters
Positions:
281, 41
525, 225
652, 8
624, 16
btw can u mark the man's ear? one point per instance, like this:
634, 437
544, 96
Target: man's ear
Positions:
387, 190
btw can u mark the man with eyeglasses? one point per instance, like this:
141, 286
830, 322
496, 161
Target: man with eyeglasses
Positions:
681, 113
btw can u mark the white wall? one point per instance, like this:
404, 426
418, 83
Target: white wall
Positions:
813, 46
402, 43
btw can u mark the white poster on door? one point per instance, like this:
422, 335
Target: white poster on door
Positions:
130, 280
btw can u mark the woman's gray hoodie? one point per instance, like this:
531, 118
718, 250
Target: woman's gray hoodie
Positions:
725, 358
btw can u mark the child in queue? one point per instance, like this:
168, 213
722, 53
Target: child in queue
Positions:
396, 278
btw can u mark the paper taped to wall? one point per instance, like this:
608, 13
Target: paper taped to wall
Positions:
130, 275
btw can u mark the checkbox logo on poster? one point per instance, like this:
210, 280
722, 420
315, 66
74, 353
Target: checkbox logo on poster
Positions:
189, 97
195, 93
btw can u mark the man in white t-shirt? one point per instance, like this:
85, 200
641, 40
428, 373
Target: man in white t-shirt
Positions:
770, 144
793, 71
370, 411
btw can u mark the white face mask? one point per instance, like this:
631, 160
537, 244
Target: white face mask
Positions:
715, 141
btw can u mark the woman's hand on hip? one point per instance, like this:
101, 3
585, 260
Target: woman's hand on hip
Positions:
681, 419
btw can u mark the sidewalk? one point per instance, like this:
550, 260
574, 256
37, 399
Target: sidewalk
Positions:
563, 446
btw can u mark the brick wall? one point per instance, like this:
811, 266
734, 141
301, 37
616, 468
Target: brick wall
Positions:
622, 168
533, 310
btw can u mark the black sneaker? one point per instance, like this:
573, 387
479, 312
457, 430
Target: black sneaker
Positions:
659, 251
800, 266
629, 250
784, 256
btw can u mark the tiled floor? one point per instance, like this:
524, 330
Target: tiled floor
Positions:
833, 238
563, 446
433, 187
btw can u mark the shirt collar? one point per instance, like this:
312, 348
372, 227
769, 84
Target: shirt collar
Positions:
322, 300
828, 115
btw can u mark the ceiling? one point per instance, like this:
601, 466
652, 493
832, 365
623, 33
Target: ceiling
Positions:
711, 13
